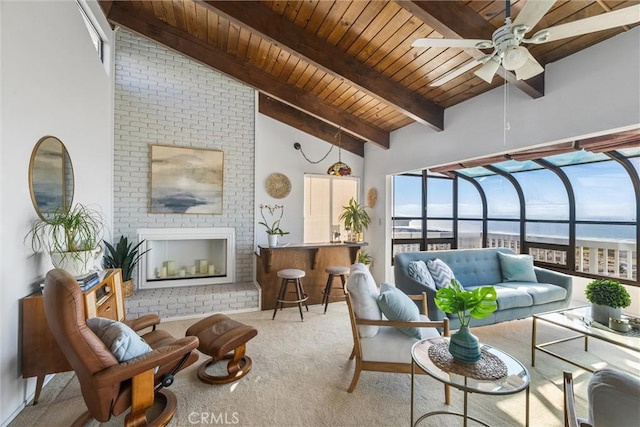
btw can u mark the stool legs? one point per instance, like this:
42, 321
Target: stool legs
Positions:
327, 289
301, 297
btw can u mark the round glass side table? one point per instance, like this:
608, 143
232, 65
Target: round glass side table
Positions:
516, 379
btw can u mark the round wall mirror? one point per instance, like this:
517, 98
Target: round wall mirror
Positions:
50, 177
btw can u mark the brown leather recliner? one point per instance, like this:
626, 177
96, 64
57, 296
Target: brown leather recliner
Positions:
110, 387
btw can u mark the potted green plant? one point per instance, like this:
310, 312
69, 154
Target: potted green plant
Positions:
356, 219
124, 256
607, 298
273, 228
71, 236
478, 304
364, 258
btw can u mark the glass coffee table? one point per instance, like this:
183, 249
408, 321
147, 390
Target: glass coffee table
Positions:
513, 376
578, 319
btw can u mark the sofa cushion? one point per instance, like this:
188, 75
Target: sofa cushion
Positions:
542, 293
124, 342
364, 296
510, 297
391, 345
441, 273
517, 268
396, 305
418, 271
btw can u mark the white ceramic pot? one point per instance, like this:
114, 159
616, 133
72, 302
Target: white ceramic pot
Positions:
273, 240
77, 263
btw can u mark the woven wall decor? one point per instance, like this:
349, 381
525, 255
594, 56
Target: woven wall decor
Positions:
278, 185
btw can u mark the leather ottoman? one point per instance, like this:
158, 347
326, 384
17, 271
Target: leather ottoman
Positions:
219, 335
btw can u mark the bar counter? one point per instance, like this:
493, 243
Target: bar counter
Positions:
312, 258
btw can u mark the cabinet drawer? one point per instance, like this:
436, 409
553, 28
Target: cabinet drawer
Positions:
108, 308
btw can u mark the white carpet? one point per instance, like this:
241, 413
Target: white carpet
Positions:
301, 371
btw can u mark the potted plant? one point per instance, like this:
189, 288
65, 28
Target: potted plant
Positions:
71, 236
607, 298
273, 229
364, 258
478, 304
356, 219
124, 256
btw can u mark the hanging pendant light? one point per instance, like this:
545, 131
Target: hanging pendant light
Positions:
339, 168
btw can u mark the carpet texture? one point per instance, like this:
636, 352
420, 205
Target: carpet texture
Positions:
301, 371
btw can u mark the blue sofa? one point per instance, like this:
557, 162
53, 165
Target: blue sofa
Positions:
481, 267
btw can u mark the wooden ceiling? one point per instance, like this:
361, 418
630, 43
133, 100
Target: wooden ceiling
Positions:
323, 65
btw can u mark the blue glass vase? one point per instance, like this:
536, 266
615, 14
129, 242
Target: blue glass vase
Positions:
464, 346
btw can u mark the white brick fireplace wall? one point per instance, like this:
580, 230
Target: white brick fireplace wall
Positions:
162, 97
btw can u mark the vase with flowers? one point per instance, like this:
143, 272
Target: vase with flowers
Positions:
273, 228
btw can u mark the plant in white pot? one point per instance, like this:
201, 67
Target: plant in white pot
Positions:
356, 219
71, 236
273, 228
607, 298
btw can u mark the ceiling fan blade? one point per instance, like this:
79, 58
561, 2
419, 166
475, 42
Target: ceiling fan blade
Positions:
488, 70
532, 13
454, 73
529, 69
617, 18
462, 43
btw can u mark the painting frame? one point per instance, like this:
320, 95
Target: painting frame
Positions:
185, 180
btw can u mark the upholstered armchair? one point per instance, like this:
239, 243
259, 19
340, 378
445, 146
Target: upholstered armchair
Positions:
613, 400
110, 387
378, 343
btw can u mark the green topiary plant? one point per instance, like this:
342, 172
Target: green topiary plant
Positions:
607, 292
124, 256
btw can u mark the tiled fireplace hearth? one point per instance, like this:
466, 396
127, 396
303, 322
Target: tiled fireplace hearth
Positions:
189, 272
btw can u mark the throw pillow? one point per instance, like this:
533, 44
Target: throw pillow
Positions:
396, 305
124, 342
418, 271
517, 268
364, 297
441, 273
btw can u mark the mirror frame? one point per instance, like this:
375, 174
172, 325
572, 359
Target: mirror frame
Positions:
67, 179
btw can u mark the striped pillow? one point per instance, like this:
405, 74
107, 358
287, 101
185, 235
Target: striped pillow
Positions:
418, 271
441, 273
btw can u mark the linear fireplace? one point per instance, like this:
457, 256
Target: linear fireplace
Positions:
186, 257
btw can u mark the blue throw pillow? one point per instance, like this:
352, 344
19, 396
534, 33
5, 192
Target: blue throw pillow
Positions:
124, 342
517, 268
418, 271
396, 305
441, 273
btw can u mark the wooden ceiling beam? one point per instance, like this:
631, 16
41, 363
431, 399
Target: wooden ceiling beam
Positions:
177, 40
320, 129
295, 40
456, 20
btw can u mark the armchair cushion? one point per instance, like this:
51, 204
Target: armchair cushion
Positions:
517, 268
396, 305
364, 295
441, 272
124, 342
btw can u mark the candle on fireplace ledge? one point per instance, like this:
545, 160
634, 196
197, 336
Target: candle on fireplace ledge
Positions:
171, 268
203, 265
182, 272
192, 270
163, 272
212, 270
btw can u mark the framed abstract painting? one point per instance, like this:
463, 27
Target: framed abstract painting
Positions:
186, 180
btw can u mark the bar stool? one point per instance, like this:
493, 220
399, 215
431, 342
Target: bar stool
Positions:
291, 275
333, 272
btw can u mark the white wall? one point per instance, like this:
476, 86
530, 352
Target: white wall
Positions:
594, 91
275, 153
51, 83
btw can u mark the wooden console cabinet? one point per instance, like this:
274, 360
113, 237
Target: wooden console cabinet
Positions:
40, 352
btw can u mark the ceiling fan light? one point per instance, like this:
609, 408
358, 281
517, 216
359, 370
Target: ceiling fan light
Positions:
488, 70
515, 57
530, 69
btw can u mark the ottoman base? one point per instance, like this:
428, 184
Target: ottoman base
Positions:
238, 367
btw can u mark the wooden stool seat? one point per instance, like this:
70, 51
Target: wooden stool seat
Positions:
293, 276
334, 271
218, 336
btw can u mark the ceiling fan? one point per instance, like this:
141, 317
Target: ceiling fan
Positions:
506, 41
